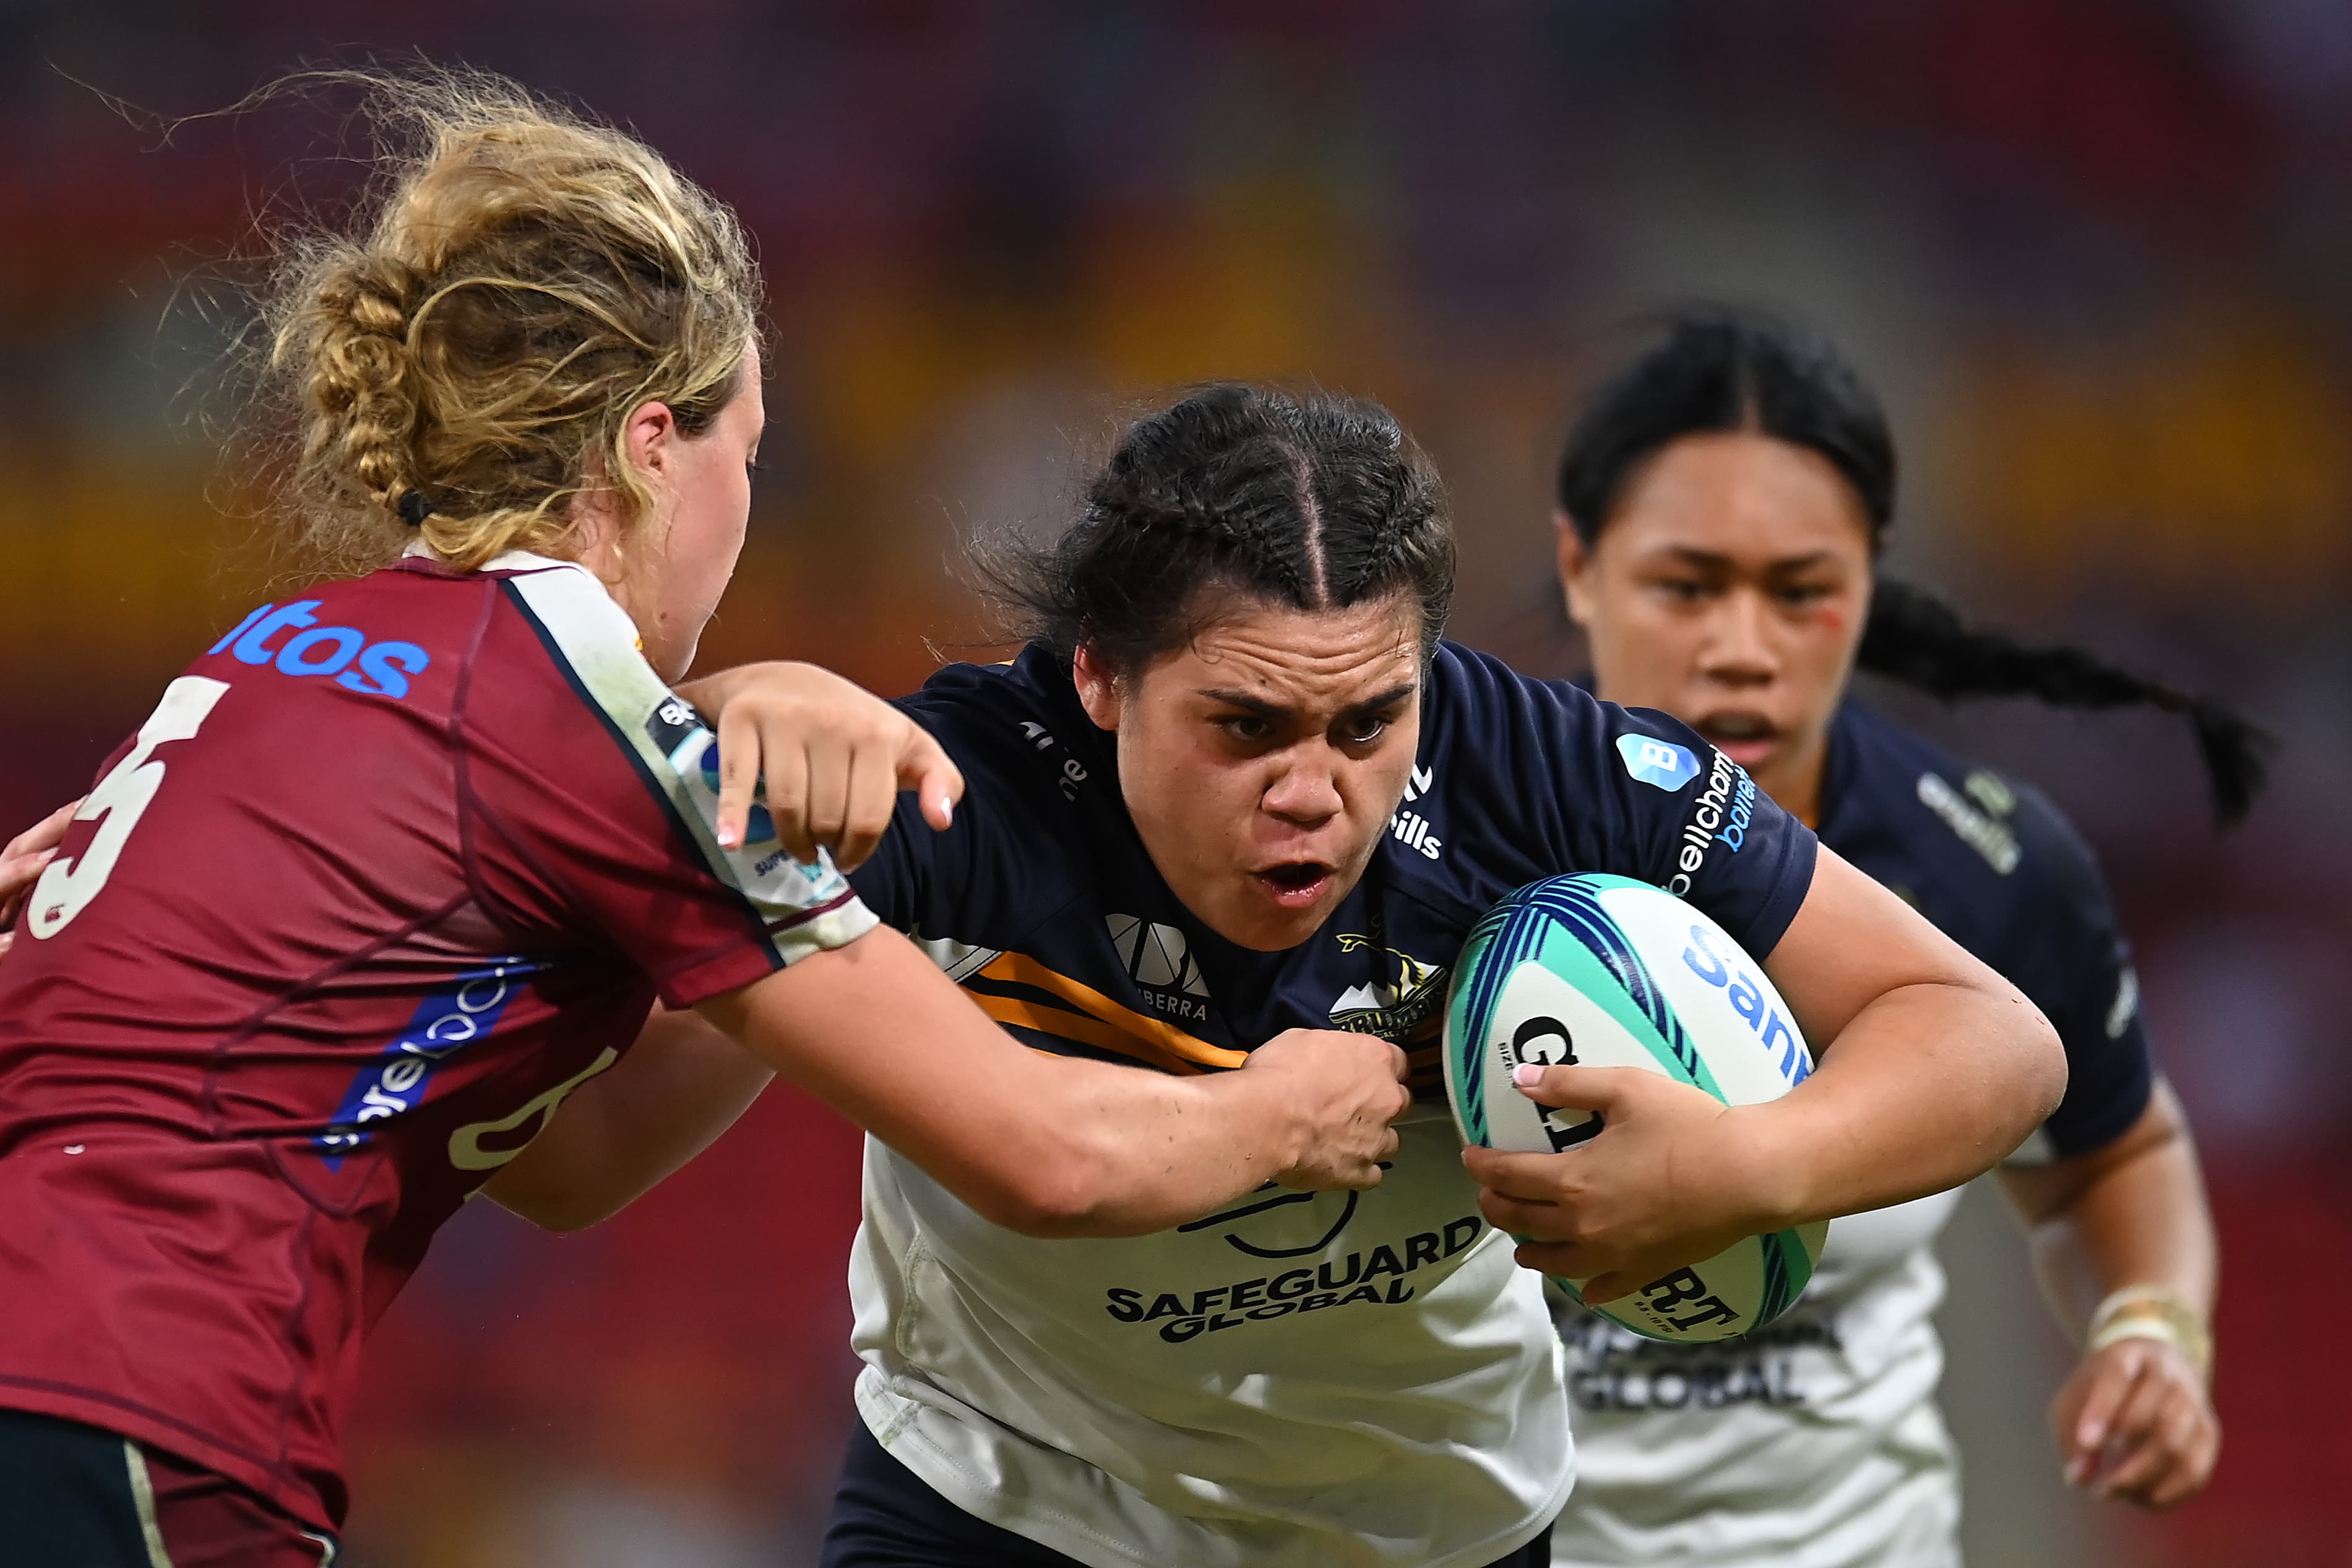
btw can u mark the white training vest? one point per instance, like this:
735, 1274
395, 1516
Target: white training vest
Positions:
1812, 1444
1307, 1380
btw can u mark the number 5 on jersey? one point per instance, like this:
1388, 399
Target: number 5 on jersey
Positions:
121, 797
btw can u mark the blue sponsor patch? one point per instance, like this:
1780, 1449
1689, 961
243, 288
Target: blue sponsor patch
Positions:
692, 749
1658, 762
357, 663
448, 1019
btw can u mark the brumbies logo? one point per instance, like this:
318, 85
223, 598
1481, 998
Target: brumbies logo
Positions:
1408, 995
1162, 965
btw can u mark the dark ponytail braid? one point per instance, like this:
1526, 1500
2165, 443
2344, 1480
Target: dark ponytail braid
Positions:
1916, 638
1717, 370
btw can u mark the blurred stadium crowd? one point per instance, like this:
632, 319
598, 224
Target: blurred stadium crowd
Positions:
2095, 251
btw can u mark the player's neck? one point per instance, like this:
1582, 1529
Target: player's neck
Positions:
1793, 779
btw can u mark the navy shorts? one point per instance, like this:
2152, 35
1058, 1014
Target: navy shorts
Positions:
79, 1497
885, 1516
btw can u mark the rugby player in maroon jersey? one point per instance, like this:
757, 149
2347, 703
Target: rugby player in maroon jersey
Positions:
404, 859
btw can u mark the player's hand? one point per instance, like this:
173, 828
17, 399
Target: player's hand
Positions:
1345, 1089
2134, 1422
1665, 1184
24, 859
832, 756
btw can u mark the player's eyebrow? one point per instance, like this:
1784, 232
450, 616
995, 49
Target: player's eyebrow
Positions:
1692, 556
1714, 561
1244, 700
1394, 695
1262, 708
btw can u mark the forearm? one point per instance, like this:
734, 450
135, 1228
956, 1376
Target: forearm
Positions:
2124, 1243
1138, 1150
1042, 1144
2135, 1214
2142, 1224
623, 1132
1925, 1088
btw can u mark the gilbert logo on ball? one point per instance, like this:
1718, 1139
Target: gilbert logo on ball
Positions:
1599, 971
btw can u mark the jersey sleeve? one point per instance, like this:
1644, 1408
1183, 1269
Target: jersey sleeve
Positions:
1590, 786
2071, 959
590, 796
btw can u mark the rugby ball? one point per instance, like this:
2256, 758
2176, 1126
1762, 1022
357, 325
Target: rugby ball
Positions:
1607, 972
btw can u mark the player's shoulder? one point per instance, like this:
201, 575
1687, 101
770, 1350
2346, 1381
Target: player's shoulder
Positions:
1482, 712
1042, 816
1469, 689
397, 634
1981, 831
553, 644
572, 614
417, 616
970, 695
550, 679
1016, 723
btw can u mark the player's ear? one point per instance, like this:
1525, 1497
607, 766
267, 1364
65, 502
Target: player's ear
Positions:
647, 437
1097, 687
1575, 564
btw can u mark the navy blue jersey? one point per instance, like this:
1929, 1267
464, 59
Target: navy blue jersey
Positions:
1042, 901
2001, 873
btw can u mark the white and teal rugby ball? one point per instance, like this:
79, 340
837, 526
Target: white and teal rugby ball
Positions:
1607, 972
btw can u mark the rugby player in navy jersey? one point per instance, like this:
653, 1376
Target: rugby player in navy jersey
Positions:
404, 860
1722, 503
1234, 785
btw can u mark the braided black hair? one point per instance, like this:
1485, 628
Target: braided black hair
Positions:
1311, 501
1718, 370
1914, 638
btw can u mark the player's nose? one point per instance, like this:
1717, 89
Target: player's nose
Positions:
1738, 647
1306, 792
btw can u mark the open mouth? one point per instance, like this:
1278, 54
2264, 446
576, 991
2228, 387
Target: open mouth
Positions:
1295, 884
1745, 736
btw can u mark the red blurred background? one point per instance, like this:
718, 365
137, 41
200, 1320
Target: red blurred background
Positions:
2094, 253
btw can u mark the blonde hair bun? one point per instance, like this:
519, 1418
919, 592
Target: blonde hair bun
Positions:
464, 367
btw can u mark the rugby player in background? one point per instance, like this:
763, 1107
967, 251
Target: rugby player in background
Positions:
1237, 783
1722, 503
402, 861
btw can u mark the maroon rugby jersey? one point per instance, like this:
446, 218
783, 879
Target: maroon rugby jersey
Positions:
390, 870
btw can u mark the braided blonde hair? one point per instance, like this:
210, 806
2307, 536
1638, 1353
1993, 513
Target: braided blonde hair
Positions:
465, 368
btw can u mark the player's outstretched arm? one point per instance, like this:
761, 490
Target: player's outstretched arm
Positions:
2124, 1241
1932, 1068
1051, 1145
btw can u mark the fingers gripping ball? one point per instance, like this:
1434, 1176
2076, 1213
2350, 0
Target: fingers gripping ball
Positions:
1598, 971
